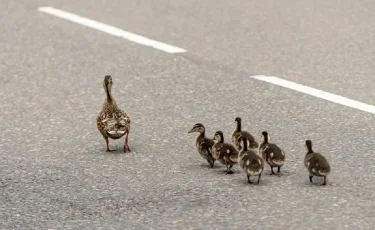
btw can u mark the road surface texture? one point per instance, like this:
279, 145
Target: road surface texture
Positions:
54, 173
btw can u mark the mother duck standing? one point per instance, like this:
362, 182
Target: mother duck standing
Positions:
112, 122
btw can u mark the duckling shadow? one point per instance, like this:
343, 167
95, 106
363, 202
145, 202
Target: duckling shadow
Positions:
225, 172
206, 165
317, 182
263, 181
282, 173
119, 151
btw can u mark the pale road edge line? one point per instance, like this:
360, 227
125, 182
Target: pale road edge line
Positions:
111, 30
316, 93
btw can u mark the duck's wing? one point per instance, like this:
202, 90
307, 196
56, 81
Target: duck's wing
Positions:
114, 125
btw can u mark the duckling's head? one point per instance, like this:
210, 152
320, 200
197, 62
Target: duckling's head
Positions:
265, 137
308, 145
197, 128
219, 137
237, 123
107, 83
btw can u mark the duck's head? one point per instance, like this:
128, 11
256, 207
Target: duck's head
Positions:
308, 145
107, 83
219, 137
197, 128
265, 137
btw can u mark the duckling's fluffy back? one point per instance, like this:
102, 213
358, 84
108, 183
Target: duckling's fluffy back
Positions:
251, 163
273, 155
317, 164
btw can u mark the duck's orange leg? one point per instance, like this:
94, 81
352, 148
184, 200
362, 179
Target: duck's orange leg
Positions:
126, 145
107, 142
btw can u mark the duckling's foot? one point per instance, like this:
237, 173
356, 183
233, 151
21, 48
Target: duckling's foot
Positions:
310, 177
110, 150
211, 163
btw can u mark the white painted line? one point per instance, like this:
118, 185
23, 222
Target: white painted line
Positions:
317, 93
111, 30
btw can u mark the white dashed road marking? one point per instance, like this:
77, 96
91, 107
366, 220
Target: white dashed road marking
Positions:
111, 30
317, 93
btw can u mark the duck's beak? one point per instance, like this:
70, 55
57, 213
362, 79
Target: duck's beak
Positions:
191, 130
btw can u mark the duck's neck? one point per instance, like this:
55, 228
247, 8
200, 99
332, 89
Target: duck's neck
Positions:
109, 95
238, 128
309, 149
202, 134
244, 144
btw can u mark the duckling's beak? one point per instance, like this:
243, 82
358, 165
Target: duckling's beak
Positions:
191, 130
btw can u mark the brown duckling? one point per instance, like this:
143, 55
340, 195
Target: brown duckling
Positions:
250, 161
316, 163
204, 144
225, 153
253, 144
271, 153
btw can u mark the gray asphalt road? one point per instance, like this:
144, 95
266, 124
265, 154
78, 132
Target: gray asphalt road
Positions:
54, 173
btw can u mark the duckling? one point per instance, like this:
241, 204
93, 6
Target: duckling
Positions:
245, 134
316, 163
225, 153
271, 153
112, 122
204, 145
250, 161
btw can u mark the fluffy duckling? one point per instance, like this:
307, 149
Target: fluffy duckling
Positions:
204, 145
225, 153
253, 144
316, 163
271, 153
250, 161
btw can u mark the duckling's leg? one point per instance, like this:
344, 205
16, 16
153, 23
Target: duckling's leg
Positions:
211, 162
325, 180
126, 145
107, 142
278, 169
272, 173
248, 179
229, 169
310, 177
259, 177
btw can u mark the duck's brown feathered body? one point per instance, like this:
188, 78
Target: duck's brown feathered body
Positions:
112, 122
